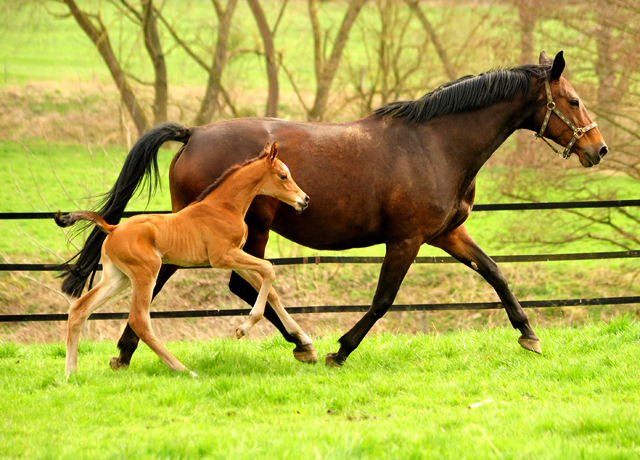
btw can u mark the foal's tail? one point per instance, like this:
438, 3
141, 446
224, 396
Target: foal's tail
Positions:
73, 217
140, 168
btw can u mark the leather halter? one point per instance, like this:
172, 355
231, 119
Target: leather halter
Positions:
577, 132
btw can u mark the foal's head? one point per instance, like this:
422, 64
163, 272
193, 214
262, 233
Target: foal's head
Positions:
278, 183
588, 143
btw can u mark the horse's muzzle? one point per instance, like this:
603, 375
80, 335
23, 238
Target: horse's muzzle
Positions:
592, 155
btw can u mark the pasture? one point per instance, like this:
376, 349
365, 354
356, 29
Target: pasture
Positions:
464, 395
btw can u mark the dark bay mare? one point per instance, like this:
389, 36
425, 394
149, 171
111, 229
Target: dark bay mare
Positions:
403, 176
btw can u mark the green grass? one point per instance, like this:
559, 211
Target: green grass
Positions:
397, 396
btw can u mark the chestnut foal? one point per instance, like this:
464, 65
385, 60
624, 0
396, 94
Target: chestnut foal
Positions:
209, 231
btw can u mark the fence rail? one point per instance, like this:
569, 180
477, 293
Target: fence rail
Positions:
366, 260
476, 207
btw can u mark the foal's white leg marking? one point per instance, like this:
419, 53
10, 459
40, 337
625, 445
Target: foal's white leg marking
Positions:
113, 282
257, 312
289, 323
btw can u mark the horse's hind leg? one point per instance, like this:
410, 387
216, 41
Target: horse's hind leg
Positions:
129, 340
304, 352
113, 282
397, 261
460, 245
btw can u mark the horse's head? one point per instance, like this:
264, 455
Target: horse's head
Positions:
278, 182
564, 119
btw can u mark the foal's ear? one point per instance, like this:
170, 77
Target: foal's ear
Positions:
558, 66
273, 153
266, 149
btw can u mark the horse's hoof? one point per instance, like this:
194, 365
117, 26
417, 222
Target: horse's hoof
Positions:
239, 332
116, 364
530, 344
332, 360
193, 374
305, 354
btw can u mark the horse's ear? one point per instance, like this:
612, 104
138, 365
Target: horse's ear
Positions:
544, 59
558, 66
274, 151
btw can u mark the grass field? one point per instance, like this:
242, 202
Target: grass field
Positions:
465, 395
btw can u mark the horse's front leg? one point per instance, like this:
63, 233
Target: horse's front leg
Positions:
397, 260
460, 245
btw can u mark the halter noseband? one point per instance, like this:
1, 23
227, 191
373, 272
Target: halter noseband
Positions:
577, 132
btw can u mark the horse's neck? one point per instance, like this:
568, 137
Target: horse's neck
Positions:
478, 134
239, 189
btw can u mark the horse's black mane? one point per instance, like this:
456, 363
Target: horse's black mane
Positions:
225, 175
467, 93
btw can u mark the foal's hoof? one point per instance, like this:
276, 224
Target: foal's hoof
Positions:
332, 360
239, 332
530, 344
116, 364
305, 354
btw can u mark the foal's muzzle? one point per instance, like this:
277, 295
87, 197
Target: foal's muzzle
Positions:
302, 204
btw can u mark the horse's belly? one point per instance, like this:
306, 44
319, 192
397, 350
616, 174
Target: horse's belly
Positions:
335, 230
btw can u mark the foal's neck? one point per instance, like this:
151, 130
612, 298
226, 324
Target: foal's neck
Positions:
238, 190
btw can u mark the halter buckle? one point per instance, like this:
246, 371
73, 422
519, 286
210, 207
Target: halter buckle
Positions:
579, 132
551, 105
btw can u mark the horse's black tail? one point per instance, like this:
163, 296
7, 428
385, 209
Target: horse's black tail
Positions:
141, 165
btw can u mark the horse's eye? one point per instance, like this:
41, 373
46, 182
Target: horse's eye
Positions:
574, 103
283, 177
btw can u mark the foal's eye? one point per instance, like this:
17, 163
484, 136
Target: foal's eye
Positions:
283, 177
574, 103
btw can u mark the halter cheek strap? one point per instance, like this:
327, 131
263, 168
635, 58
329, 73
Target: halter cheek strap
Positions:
577, 132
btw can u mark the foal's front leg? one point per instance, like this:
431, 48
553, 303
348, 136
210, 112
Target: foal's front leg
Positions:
243, 263
304, 351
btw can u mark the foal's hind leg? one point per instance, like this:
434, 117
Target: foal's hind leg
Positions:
143, 278
460, 245
129, 340
304, 352
113, 282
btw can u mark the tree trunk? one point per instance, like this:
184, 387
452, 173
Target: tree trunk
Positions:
326, 71
154, 48
100, 38
214, 87
442, 53
528, 18
270, 56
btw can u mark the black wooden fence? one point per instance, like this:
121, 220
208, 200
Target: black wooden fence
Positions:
369, 260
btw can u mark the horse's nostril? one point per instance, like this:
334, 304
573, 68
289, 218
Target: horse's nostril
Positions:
306, 198
603, 151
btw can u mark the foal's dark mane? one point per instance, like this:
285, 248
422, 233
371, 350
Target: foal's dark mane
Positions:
225, 175
467, 93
